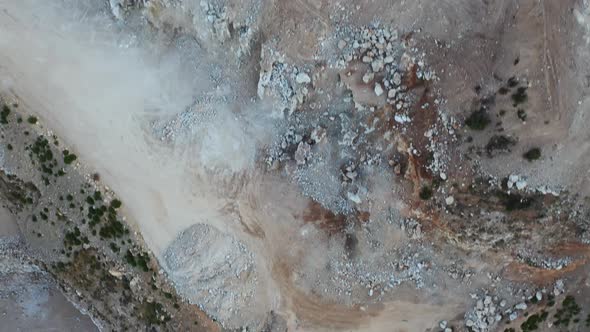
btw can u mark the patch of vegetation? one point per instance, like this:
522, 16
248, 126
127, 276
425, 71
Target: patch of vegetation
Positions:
69, 157
532, 154
140, 260
512, 82
569, 310
520, 96
72, 238
41, 150
513, 201
478, 120
533, 322
4, 114
113, 230
32, 119
115, 203
521, 114
114, 247
503, 90
550, 300
499, 143
16, 192
425, 193
153, 312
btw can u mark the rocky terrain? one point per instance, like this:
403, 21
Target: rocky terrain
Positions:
300, 165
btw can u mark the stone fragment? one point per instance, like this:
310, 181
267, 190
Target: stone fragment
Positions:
378, 89
302, 78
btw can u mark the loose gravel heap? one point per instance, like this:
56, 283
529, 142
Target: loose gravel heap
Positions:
213, 270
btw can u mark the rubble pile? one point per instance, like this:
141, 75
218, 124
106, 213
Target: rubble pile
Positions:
547, 263
376, 276
358, 136
412, 227
486, 314
281, 82
490, 310
390, 64
215, 271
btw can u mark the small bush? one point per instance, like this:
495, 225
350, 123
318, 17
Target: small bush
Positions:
513, 201
499, 143
153, 313
4, 114
478, 120
115, 203
520, 96
32, 119
533, 322
532, 154
425, 193
512, 82
521, 114
114, 247
69, 158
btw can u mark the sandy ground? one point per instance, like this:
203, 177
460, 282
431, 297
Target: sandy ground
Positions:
66, 69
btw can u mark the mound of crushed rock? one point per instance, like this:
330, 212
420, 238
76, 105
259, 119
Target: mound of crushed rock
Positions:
213, 270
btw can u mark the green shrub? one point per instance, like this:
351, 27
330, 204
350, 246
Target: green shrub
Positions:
499, 143
512, 82
533, 322
425, 193
569, 310
478, 120
32, 119
532, 154
520, 96
4, 114
68, 159
115, 203
513, 201
152, 313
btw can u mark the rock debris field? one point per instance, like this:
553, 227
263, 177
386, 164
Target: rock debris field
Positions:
300, 165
